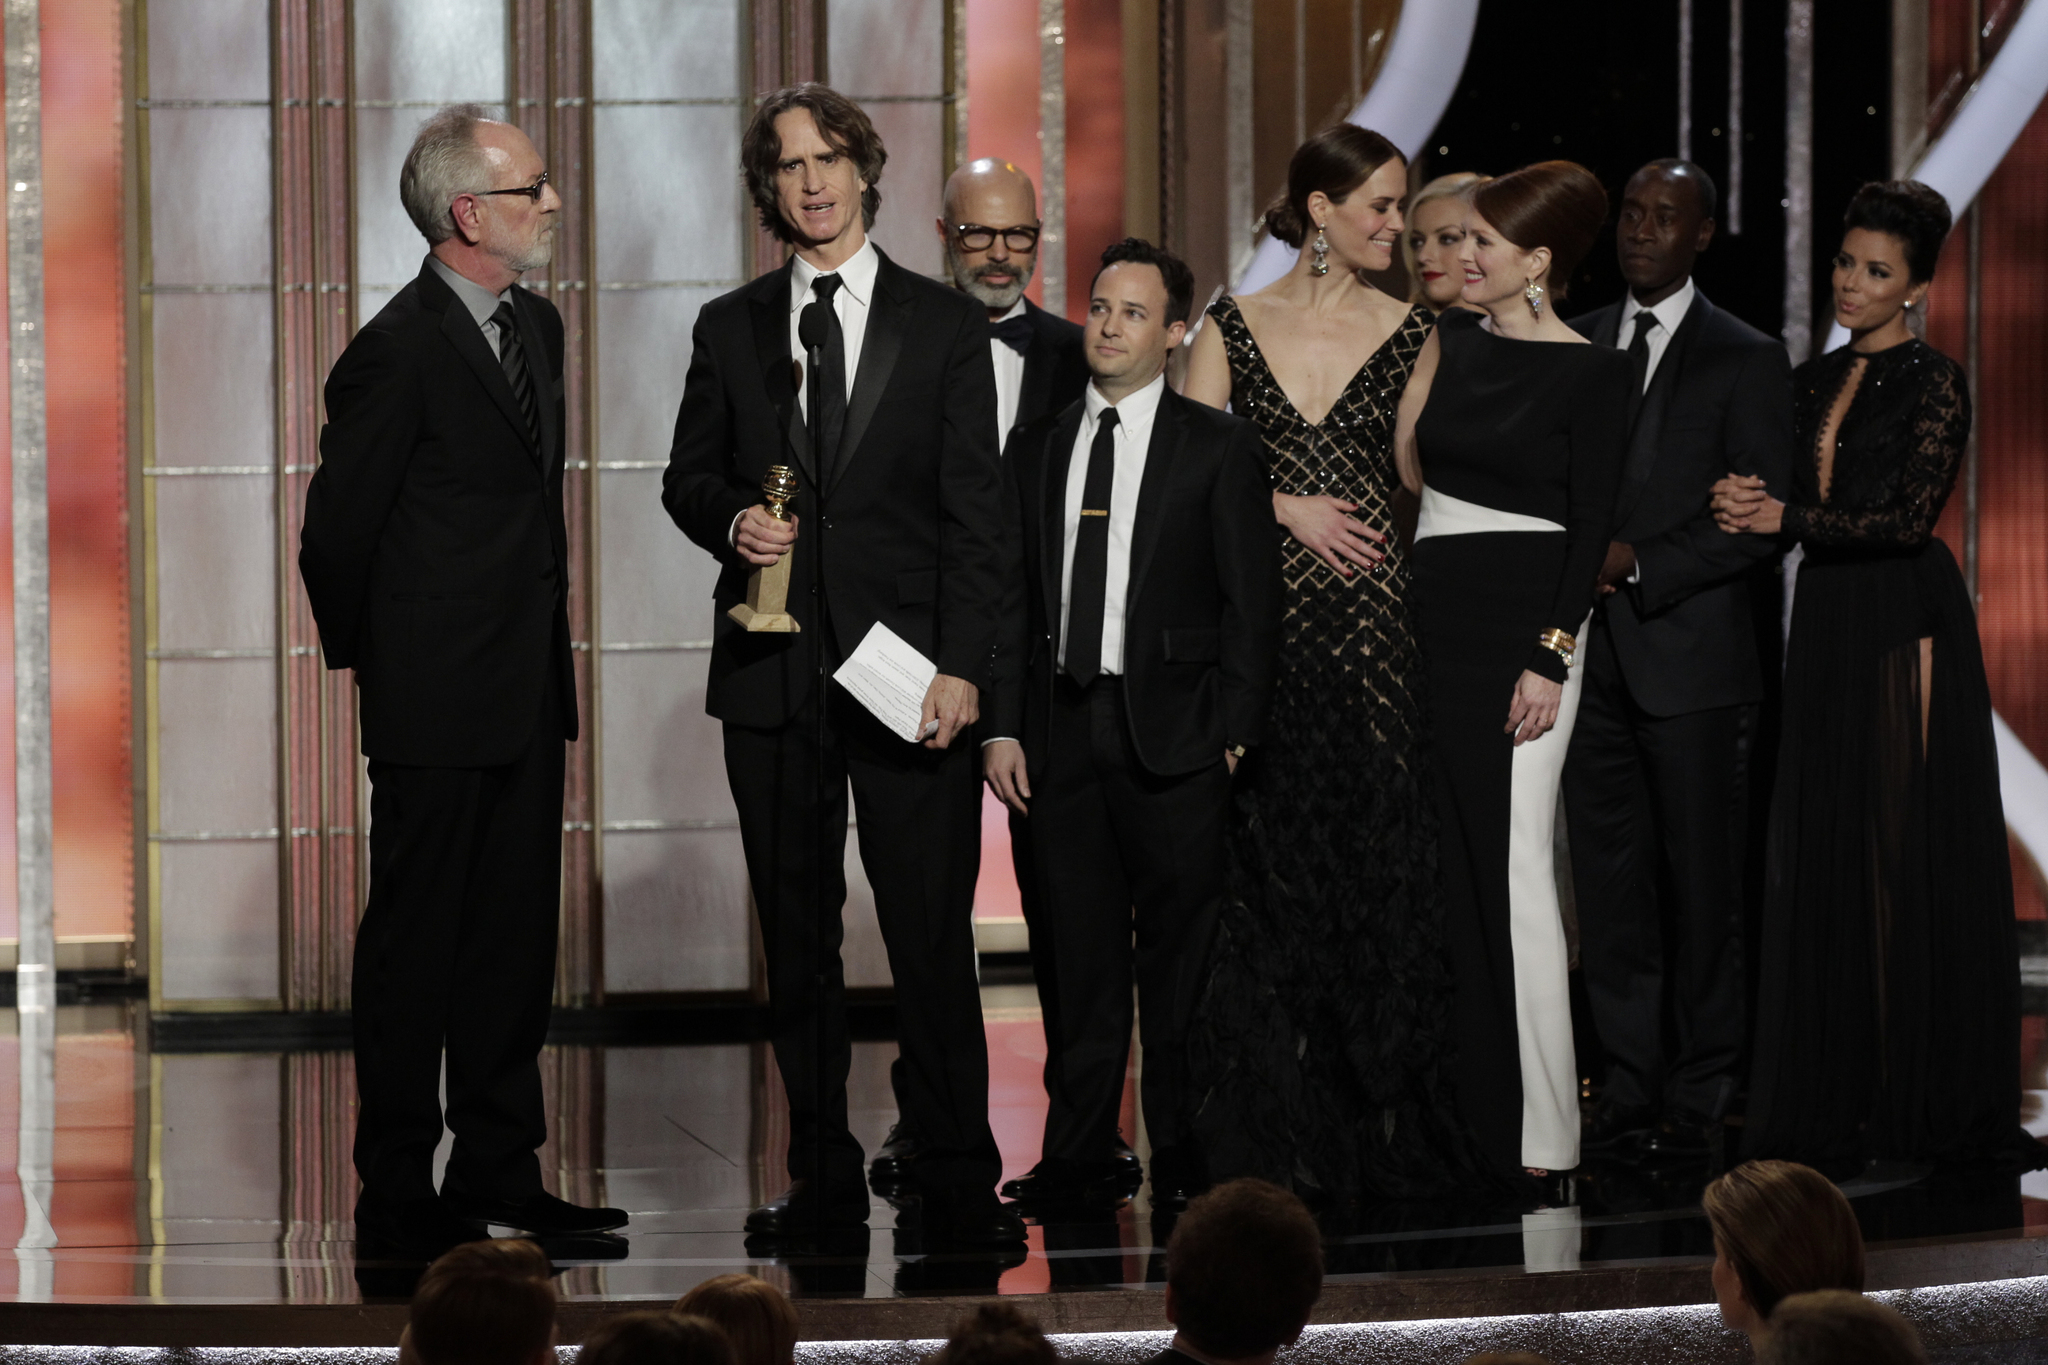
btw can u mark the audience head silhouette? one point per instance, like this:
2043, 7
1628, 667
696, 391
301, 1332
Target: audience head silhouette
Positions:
756, 1317
656, 1337
485, 1303
1836, 1327
1243, 1269
996, 1334
1779, 1229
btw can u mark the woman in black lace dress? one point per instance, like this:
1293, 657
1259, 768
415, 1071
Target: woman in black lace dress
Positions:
1319, 1046
1888, 1000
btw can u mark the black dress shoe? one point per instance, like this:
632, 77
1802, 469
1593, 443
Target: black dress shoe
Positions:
539, 1213
1177, 1177
894, 1159
1057, 1181
1124, 1157
411, 1231
1684, 1135
960, 1220
1612, 1125
801, 1208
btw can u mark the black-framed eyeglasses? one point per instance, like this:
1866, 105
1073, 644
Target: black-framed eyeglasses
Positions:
530, 191
975, 237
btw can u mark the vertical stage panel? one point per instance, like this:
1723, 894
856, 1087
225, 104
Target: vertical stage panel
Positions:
209, 456
671, 231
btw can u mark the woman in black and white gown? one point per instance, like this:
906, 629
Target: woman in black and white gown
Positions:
1513, 429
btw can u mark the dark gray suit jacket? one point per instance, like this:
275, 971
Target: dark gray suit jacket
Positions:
1720, 402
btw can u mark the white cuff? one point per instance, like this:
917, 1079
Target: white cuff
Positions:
1635, 575
998, 739
732, 532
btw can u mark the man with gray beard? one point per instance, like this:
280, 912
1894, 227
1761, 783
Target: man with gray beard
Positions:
436, 558
991, 234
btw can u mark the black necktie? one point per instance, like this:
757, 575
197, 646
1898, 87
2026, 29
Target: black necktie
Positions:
828, 392
1014, 333
512, 356
1090, 582
1639, 351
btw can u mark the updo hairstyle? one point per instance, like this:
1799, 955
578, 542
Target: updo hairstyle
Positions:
1914, 213
1555, 204
1336, 161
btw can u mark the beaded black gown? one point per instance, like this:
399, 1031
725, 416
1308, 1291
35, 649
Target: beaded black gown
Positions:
1319, 1051
1888, 993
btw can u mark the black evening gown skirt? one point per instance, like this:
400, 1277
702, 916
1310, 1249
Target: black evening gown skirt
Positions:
1888, 996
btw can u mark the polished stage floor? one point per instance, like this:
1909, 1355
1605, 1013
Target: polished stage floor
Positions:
153, 1176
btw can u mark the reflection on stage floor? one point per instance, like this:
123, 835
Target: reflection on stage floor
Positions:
224, 1177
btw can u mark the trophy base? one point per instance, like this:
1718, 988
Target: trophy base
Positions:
780, 622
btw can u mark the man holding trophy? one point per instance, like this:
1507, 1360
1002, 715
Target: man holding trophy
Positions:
837, 439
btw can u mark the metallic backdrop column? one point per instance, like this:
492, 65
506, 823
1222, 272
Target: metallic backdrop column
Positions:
1685, 80
1052, 133
35, 983
321, 842
1799, 179
1731, 211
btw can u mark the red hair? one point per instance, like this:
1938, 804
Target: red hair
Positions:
1554, 204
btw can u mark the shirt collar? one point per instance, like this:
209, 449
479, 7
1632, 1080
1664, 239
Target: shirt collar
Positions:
1016, 310
1669, 313
480, 301
857, 274
1135, 410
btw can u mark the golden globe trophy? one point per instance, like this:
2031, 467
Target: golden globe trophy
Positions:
766, 607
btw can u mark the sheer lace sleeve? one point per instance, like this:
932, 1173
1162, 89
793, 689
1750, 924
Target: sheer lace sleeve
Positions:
1926, 448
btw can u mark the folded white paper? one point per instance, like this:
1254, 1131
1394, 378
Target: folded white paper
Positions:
890, 678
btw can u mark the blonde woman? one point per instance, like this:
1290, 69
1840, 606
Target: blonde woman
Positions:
1436, 217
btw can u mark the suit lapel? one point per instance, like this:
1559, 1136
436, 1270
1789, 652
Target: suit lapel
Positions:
1169, 429
1646, 433
1034, 395
888, 321
468, 339
768, 307
1052, 512
1607, 331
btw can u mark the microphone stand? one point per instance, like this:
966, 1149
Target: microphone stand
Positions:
812, 330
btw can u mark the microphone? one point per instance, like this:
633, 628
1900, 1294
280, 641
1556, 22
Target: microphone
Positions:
814, 326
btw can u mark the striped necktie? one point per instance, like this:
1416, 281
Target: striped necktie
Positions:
512, 356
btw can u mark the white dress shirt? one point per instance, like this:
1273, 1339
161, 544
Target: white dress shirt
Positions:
1132, 440
1009, 377
481, 302
1669, 314
856, 292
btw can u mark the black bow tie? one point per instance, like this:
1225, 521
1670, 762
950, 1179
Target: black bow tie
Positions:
1014, 333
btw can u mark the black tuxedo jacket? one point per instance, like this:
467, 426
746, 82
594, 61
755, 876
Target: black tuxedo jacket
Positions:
434, 549
1055, 366
910, 531
1720, 402
1202, 611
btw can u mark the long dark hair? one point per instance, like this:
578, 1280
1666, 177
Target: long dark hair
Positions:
1336, 161
842, 123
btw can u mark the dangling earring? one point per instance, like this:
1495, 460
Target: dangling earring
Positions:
1321, 264
1534, 294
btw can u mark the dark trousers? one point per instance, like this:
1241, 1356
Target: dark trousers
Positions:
1656, 807
1130, 882
456, 951
919, 816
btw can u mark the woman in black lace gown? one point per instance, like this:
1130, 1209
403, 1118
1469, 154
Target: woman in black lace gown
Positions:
1888, 1000
1319, 1047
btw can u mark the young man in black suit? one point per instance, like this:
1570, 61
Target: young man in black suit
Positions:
1654, 785
990, 233
436, 558
896, 522
1140, 630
